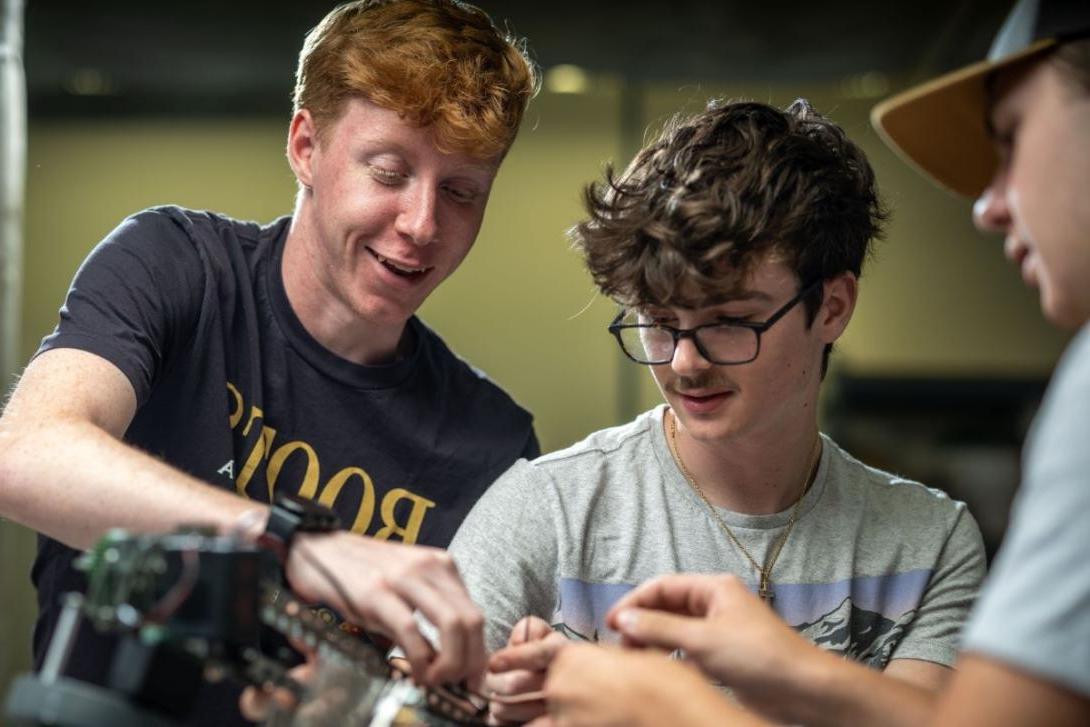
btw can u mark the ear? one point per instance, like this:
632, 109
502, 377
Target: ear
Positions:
837, 306
302, 143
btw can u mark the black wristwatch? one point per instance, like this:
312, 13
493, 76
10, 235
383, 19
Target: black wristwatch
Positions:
291, 514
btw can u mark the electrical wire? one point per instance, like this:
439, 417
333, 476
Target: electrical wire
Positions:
173, 599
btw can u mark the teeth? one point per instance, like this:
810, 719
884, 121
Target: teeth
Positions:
387, 261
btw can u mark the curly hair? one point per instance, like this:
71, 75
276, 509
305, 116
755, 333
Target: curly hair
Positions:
440, 63
720, 191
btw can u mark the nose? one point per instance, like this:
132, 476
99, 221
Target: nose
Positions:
992, 211
687, 359
418, 218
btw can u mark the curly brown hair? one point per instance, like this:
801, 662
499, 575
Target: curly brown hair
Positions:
720, 191
440, 63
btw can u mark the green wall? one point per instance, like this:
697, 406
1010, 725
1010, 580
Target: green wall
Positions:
936, 299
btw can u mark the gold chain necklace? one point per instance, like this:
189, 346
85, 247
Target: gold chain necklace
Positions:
764, 589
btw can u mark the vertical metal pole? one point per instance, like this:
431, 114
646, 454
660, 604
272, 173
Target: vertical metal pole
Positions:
632, 121
14, 541
12, 187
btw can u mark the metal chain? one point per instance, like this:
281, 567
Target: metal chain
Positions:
765, 572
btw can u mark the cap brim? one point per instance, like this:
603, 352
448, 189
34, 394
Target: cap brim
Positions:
939, 127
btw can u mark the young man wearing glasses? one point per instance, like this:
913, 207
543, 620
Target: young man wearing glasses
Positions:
1014, 132
733, 244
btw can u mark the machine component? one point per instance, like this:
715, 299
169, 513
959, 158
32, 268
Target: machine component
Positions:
191, 606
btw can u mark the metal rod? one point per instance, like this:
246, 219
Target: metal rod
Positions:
12, 187
64, 637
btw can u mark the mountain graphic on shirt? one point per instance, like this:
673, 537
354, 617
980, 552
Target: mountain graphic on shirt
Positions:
864, 635
571, 634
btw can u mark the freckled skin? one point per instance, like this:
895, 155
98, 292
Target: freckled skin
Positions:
374, 185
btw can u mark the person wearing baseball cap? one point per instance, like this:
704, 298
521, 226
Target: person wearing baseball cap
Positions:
1013, 131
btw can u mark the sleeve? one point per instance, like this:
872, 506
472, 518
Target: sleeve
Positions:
506, 552
935, 631
135, 298
532, 450
1034, 612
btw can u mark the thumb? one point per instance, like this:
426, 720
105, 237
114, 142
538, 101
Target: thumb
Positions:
658, 628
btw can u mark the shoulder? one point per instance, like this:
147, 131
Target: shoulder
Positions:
166, 223
885, 495
1061, 424
601, 468
600, 454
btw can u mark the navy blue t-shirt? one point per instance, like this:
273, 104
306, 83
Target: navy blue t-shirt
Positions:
232, 389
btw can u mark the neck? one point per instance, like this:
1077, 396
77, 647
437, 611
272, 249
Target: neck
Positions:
752, 476
324, 311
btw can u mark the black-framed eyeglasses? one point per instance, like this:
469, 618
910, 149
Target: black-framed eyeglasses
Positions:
726, 342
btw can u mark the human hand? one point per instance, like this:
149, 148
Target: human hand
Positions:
326, 692
516, 673
258, 703
601, 685
379, 585
730, 633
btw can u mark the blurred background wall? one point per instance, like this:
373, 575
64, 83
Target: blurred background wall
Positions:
135, 104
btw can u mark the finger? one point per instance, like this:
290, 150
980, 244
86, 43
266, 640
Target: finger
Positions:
659, 629
688, 594
401, 664
521, 707
529, 628
516, 696
509, 685
442, 599
533, 655
254, 704
258, 704
390, 615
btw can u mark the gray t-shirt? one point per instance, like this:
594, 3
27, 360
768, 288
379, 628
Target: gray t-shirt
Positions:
877, 567
1034, 611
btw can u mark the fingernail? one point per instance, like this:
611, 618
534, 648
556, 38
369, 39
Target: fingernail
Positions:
626, 619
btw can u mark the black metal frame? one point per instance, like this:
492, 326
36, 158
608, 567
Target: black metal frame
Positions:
617, 328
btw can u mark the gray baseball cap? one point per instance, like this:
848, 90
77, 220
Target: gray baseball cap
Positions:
940, 126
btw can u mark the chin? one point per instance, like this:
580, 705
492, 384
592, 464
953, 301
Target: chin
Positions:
708, 429
383, 312
1064, 316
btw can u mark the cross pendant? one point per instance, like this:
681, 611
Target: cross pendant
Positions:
764, 592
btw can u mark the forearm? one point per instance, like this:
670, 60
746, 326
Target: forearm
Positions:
72, 481
703, 708
831, 690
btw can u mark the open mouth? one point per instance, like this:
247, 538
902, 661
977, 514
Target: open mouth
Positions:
400, 269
